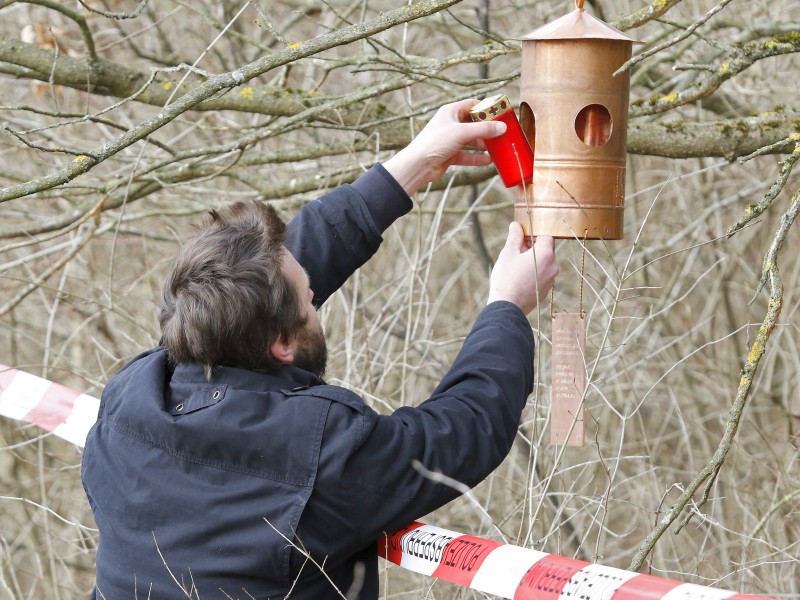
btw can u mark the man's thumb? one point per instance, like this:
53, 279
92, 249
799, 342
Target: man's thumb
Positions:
488, 129
515, 237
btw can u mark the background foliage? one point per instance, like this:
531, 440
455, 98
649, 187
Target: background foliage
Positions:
125, 121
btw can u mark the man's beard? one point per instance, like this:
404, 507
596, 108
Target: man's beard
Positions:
311, 351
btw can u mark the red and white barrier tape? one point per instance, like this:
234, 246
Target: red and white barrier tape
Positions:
484, 565
62, 411
525, 574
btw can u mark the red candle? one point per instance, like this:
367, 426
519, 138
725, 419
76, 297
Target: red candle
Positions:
510, 152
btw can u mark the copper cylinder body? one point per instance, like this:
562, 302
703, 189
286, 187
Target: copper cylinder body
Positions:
574, 113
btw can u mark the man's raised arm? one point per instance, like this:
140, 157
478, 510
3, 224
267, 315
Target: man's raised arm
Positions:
335, 235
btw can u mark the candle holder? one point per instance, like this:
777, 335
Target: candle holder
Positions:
511, 153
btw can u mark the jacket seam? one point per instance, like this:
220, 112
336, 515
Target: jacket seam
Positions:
127, 432
303, 501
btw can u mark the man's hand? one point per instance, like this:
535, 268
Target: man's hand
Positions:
441, 144
523, 274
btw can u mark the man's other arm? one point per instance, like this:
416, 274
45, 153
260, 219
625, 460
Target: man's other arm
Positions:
335, 235
466, 427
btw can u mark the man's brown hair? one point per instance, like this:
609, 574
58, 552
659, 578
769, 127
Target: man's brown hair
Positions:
226, 298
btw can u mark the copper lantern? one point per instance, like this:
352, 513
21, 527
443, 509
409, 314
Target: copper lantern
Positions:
574, 113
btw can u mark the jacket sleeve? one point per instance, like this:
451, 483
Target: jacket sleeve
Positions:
463, 431
333, 236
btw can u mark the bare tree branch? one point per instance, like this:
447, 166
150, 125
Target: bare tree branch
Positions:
730, 64
652, 11
727, 138
221, 82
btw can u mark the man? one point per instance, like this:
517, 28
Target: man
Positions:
223, 466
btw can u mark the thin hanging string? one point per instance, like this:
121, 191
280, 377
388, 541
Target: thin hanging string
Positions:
579, 4
524, 187
580, 293
529, 211
583, 271
519, 164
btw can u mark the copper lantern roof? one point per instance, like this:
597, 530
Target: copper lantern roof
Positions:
577, 25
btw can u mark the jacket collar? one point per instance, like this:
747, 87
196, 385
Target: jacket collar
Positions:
286, 377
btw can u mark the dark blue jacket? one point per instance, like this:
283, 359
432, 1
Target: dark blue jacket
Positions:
259, 485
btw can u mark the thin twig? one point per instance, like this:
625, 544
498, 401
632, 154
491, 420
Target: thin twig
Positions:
88, 40
669, 43
116, 15
77, 246
753, 211
50, 511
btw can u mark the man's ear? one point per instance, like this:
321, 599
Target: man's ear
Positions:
282, 351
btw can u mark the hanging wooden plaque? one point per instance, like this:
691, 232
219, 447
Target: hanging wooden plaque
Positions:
568, 378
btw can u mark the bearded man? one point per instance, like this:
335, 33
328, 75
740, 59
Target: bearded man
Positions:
223, 466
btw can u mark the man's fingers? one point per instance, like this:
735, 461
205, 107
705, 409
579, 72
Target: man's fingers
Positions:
545, 248
545, 243
471, 159
462, 108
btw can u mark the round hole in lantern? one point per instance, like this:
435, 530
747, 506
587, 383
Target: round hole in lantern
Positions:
527, 122
593, 125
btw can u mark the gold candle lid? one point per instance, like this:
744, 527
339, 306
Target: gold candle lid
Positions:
490, 108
